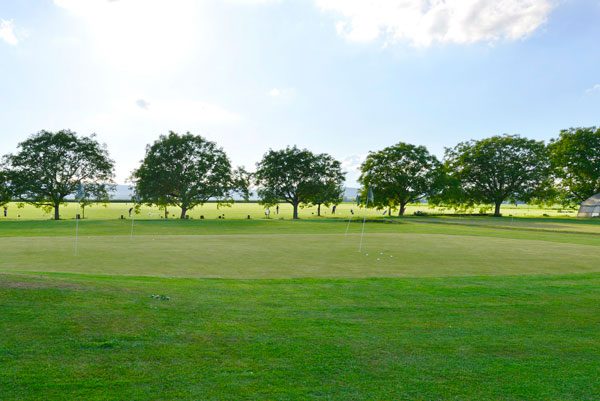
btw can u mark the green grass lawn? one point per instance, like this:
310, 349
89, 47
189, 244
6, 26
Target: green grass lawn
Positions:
434, 308
254, 210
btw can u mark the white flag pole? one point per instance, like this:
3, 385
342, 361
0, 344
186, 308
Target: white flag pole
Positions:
136, 200
76, 233
362, 233
79, 196
348, 225
132, 220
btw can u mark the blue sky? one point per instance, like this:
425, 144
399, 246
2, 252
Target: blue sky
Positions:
337, 76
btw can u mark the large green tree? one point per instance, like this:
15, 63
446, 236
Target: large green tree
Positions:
5, 194
294, 176
328, 186
184, 171
575, 157
498, 169
50, 166
399, 175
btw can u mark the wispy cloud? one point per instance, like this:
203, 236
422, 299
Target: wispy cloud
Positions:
593, 89
282, 93
423, 22
7, 32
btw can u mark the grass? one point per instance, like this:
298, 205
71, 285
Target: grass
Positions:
254, 210
440, 308
97, 337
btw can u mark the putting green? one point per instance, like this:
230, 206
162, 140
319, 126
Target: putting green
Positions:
297, 255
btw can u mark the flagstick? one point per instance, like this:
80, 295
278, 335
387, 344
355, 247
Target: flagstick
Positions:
362, 233
132, 220
348, 225
76, 233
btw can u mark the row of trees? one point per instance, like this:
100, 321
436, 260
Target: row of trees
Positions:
187, 170
178, 170
490, 171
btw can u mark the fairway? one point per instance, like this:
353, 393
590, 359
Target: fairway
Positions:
432, 308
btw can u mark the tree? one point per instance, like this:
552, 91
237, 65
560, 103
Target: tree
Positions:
5, 194
242, 180
575, 157
50, 166
184, 171
497, 169
88, 194
293, 175
399, 175
328, 187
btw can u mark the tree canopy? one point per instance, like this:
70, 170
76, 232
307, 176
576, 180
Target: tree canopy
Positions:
575, 157
296, 176
497, 169
328, 187
398, 175
50, 166
184, 171
5, 194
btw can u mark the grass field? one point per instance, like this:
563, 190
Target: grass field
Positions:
433, 308
254, 210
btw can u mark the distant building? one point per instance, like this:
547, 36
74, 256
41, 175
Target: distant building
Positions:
590, 207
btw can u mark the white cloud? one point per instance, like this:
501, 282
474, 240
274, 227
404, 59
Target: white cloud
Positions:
593, 89
282, 93
7, 32
423, 22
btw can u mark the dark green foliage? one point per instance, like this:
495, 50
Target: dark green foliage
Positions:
328, 187
399, 175
51, 166
184, 171
575, 157
497, 169
298, 176
5, 192
242, 181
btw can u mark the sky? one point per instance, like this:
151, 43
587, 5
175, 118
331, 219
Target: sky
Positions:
343, 77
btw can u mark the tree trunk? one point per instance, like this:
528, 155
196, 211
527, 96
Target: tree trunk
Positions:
318, 209
295, 205
56, 211
497, 209
183, 212
402, 209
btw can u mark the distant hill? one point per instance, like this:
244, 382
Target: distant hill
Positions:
121, 192
350, 194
